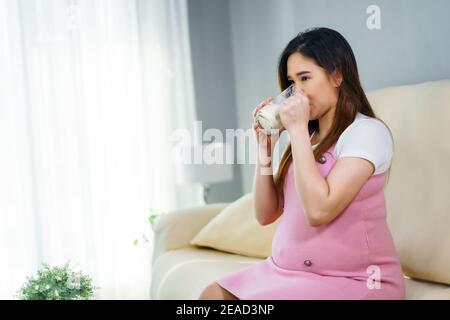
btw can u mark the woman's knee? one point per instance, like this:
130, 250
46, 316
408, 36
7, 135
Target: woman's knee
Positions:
211, 292
216, 292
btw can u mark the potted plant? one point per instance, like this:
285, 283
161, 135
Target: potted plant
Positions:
57, 283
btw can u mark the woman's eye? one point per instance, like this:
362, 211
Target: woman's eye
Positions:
304, 78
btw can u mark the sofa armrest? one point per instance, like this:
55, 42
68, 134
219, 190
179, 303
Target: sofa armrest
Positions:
176, 229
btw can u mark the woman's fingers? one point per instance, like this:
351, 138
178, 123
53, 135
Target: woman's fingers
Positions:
256, 128
258, 107
261, 105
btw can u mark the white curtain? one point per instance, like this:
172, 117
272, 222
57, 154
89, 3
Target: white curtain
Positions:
91, 91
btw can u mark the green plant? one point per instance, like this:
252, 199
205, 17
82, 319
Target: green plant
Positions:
152, 219
154, 216
57, 283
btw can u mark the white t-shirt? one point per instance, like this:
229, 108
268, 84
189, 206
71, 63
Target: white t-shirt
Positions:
366, 138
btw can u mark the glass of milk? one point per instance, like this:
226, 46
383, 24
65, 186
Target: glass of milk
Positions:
269, 115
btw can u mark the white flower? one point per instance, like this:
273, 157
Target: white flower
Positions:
73, 278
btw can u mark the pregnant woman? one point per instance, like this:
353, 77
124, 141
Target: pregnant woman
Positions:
332, 241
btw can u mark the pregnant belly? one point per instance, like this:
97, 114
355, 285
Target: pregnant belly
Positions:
328, 250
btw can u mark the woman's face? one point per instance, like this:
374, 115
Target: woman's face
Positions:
313, 81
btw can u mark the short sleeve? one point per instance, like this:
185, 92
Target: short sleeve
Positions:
369, 139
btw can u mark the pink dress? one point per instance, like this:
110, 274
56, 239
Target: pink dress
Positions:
352, 257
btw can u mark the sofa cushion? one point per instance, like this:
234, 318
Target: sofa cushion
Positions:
184, 273
423, 290
419, 182
236, 230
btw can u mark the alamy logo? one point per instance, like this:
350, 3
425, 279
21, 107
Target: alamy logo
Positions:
374, 280
211, 147
374, 19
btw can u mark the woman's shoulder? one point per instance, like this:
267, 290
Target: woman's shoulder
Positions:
363, 120
368, 138
365, 127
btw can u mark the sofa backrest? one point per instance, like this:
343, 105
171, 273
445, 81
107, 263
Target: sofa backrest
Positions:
418, 191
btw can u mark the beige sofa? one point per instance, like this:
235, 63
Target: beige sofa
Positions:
417, 197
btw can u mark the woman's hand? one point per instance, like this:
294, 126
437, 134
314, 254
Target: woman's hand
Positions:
294, 112
265, 141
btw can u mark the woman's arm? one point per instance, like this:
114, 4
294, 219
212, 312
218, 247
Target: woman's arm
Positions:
325, 198
267, 205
